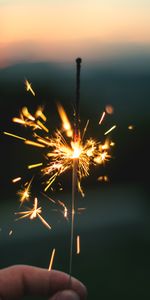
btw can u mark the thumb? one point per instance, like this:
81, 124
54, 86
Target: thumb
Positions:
65, 295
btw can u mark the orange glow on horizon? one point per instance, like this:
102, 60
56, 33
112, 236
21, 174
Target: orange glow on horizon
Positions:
74, 26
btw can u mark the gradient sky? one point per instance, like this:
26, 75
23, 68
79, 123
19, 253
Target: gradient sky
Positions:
62, 29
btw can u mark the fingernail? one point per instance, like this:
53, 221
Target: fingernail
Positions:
68, 295
71, 295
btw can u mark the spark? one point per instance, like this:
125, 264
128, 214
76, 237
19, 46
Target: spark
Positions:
10, 232
112, 144
16, 179
32, 143
62, 151
33, 213
35, 166
65, 121
78, 244
19, 121
52, 259
130, 127
65, 211
14, 135
28, 120
25, 192
29, 87
49, 198
103, 178
85, 129
102, 118
109, 109
39, 114
42, 126
108, 131
27, 114
81, 209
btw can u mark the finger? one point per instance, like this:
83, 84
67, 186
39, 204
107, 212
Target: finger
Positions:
65, 295
17, 281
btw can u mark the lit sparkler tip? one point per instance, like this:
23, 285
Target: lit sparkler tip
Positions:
51, 259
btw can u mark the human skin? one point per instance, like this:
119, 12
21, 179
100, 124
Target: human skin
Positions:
21, 280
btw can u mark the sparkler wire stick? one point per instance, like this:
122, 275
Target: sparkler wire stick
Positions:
77, 118
76, 138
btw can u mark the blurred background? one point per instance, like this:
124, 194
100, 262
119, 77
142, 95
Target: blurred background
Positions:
40, 41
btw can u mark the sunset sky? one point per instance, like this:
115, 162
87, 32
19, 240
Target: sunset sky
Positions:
59, 30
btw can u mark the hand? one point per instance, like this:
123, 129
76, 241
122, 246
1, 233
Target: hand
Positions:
18, 281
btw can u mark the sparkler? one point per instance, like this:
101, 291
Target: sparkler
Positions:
77, 152
66, 149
